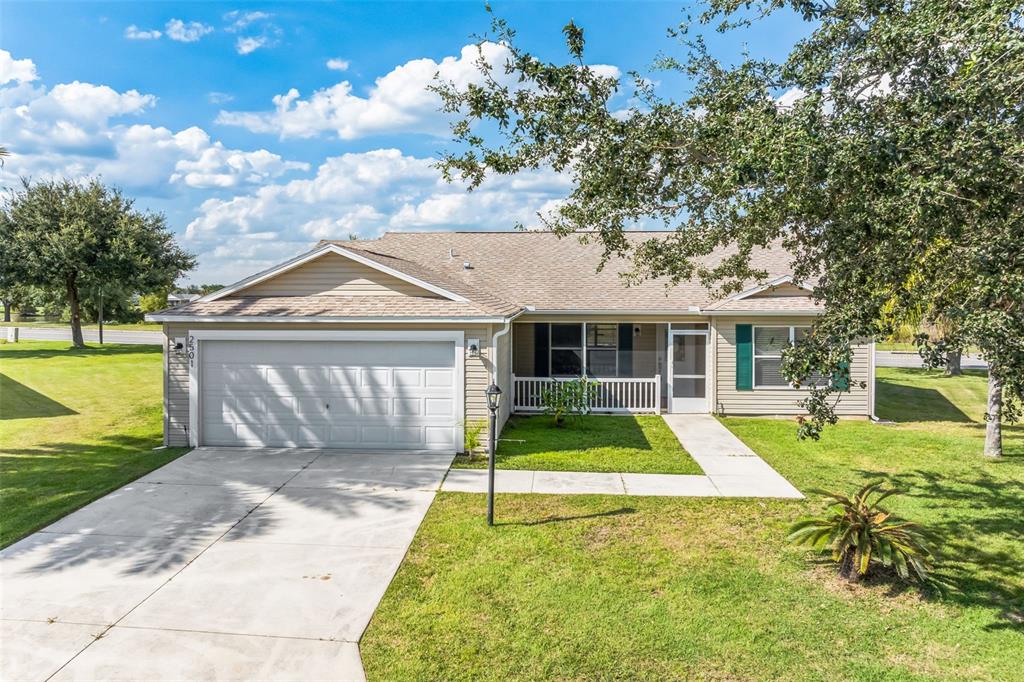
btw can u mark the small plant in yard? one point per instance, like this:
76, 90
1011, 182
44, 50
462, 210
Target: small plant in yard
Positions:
473, 429
861, 533
568, 398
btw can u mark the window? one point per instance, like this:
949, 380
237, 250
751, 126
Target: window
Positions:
769, 342
602, 350
567, 346
566, 350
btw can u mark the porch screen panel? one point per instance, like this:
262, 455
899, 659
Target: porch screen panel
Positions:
541, 348
625, 350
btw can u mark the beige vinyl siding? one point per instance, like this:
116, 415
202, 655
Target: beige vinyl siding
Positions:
771, 401
645, 351
786, 289
477, 373
334, 275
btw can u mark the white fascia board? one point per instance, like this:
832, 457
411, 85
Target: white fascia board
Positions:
320, 251
169, 319
763, 313
328, 335
785, 279
616, 311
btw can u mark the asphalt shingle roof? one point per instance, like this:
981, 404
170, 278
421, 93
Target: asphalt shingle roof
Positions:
508, 272
540, 270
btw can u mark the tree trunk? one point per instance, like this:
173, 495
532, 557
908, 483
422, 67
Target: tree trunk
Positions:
99, 318
953, 358
848, 567
7, 311
994, 417
77, 340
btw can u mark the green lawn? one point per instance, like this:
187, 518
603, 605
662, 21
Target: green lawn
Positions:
896, 345
605, 587
74, 425
116, 326
640, 444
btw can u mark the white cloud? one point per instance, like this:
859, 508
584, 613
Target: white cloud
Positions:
249, 44
240, 20
17, 70
186, 32
75, 130
398, 101
790, 97
365, 194
338, 64
219, 97
133, 32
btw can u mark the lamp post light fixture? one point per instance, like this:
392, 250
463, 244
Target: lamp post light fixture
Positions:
493, 400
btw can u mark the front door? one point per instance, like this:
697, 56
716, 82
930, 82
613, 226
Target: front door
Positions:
688, 371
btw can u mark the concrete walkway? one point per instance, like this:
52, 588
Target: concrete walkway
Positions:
731, 469
226, 564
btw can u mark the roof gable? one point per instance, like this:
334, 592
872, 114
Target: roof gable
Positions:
330, 270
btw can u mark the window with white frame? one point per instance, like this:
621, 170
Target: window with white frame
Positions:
566, 350
602, 350
769, 342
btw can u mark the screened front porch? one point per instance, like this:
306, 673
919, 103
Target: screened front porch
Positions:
630, 360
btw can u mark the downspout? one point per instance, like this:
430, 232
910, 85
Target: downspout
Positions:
506, 328
494, 345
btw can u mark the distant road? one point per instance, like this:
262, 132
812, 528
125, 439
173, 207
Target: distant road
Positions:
91, 335
889, 358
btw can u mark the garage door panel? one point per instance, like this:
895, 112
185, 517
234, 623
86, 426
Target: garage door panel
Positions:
345, 377
437, 435
438, 378
439, 407
329, 394
402, 407
408, 378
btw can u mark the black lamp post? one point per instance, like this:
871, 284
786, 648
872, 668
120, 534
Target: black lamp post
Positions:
493, 400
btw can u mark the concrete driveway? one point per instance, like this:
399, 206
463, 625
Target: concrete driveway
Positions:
226, 564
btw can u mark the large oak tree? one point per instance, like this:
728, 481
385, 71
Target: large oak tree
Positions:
886, 153
80, 238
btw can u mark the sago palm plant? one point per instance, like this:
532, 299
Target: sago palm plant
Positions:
860, 533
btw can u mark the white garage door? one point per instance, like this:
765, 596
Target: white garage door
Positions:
332, 394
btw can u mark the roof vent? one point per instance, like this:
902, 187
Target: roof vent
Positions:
451, 253
466, 265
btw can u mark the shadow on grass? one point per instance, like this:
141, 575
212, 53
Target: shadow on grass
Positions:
18, 401
902, 403
16, 351
561, 519
976, 517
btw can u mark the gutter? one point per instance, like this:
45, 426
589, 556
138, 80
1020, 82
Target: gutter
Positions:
157, 317
494, 344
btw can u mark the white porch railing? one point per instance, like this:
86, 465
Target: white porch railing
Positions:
611, 394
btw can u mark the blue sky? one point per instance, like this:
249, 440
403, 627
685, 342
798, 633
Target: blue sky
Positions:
260, 128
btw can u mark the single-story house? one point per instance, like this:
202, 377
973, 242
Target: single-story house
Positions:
391, 342
180, 298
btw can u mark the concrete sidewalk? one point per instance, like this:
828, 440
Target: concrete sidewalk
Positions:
731, 469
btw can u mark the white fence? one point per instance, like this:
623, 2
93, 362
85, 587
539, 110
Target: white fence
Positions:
610, 395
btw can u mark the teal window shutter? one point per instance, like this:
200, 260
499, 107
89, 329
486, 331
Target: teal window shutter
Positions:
841, 379
744, 357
